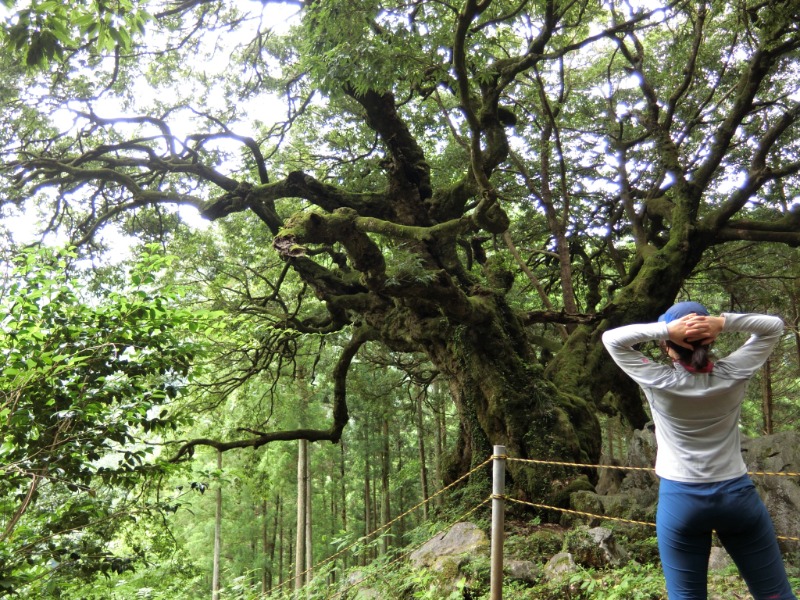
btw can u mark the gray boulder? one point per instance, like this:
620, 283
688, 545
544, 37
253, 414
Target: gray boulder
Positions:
614, 554
462, 540
561, 564
625, 494
719, 560
596, 548
641, 454
355, 580
522, 570
778, 453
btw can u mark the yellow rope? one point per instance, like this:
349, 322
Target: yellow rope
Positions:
608, 518
579, 513
495, 496
587, 466
604, 517
579, 465
379, 529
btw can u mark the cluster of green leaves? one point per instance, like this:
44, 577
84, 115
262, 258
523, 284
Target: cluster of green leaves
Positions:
47, 30
86, 384
346, 34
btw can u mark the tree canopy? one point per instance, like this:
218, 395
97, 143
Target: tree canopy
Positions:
487, 185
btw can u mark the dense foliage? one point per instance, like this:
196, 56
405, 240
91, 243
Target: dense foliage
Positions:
414, 220
86, 384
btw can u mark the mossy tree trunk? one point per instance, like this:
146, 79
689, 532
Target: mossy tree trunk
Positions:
503, 397
584, 368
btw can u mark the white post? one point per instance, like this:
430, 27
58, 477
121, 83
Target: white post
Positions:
498, 522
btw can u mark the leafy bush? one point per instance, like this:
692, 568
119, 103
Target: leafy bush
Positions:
86, 380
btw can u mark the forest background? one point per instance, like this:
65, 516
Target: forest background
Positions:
395, 230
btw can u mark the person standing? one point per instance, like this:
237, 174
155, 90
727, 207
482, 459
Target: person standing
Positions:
704, 486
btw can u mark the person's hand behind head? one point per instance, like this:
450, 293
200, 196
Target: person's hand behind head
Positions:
701, 328
679, 331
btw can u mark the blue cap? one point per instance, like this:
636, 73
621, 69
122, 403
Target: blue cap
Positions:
681, 309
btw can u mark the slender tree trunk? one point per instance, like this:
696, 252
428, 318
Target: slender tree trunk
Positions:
375, 518
334, 515
254, 545
308, 545
290, 558
300, 538
215, 580
268, 544
343, 490
441, 438
442, 393
400, 496
343, 496
264, 547
423, 469
281, 541
386, 513
275, 540
766, 397
303, 549
367, 502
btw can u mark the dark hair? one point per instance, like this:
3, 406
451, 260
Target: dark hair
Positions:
697, 357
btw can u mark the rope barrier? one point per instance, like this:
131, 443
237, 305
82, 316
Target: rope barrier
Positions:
578, 512
569, 464
608, 517
623, 468
773, 474
538, 506
381, 528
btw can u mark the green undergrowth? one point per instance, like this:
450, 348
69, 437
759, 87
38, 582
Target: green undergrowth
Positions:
635, 581
469, 578
392, 576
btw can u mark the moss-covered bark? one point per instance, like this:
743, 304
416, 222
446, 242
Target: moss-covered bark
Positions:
503, 397
584, 368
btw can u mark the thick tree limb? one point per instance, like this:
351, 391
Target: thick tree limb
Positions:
299, 185
332, 434
408, 170
785, 230
560, 317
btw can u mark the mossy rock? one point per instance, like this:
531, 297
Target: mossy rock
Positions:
645, 549
468, 572
584, 501
537, 544
634, 505
637, 505
584, 549
563, 496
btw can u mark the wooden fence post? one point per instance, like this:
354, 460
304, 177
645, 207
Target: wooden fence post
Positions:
498, 522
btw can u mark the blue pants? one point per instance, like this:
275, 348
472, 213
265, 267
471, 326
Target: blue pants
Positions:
689, 512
